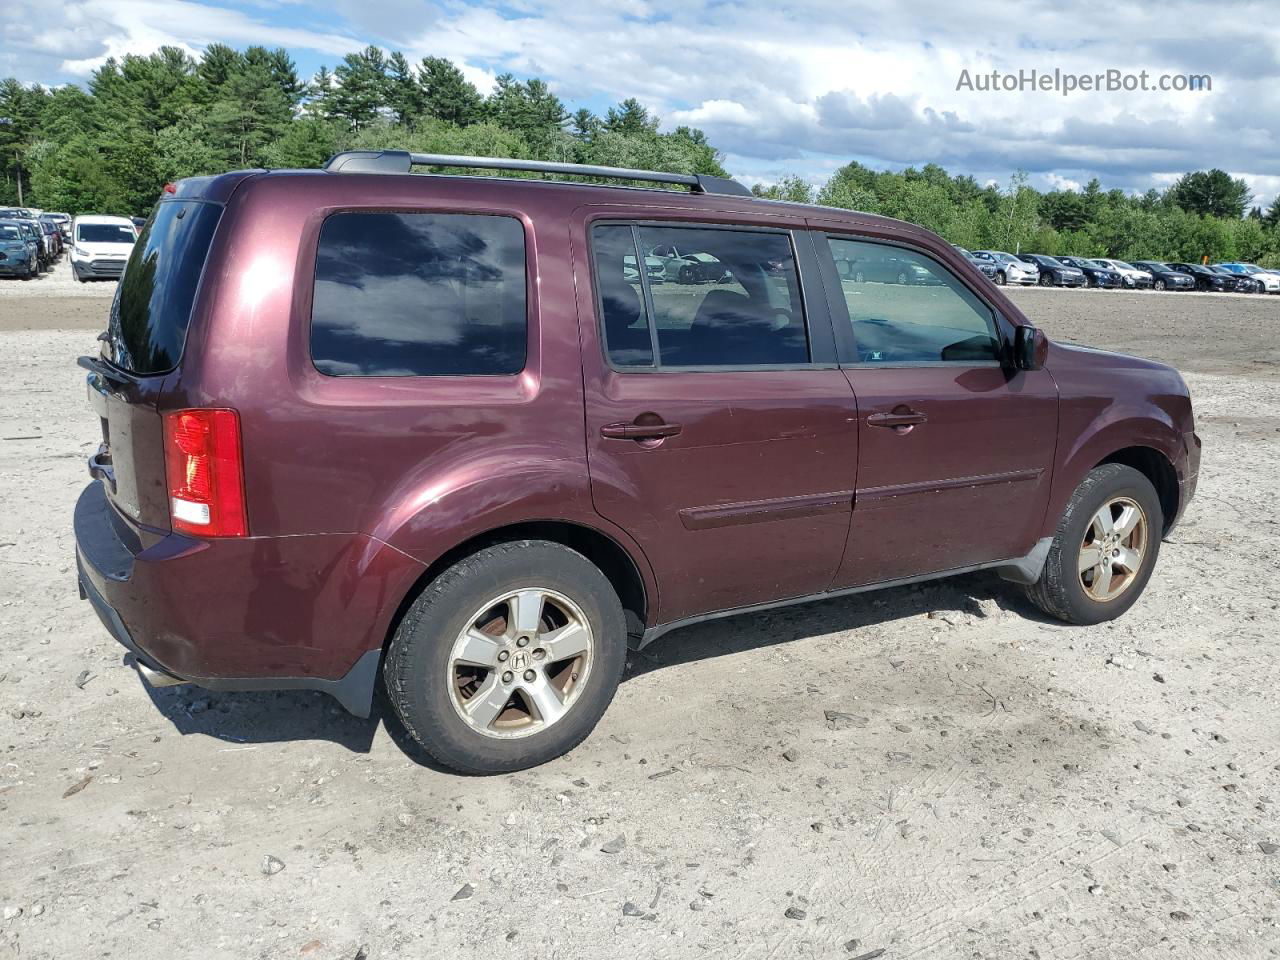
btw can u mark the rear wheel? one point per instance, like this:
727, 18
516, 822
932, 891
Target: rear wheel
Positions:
1104, 549
509, 658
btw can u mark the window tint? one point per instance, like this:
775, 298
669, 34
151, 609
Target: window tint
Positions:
149, 316
905, 307
715, 297
419, 294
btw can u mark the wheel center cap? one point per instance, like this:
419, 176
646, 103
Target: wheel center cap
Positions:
519, 660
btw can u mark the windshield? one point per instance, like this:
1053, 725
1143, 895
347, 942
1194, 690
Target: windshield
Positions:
153, 303
1122, 265
104, 233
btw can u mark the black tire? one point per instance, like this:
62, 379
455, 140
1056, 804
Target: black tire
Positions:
1046, 280
419, 678
1060, 591
1159, 284
1000, 278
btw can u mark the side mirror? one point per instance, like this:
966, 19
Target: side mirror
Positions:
1030, 348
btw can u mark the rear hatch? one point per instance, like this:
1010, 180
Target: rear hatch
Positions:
143, 343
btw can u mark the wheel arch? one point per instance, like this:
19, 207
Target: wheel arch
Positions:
1156, 467
616, 562
1145, 438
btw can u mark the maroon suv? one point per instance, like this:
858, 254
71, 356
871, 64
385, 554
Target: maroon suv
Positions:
477, 434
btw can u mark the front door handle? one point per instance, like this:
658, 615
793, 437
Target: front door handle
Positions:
901, 420
640, 430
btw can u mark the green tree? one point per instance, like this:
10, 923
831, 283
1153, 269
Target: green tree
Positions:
1212, 193
1272, 217
250, 112
360, 90
630, 117
447, 94
404, 95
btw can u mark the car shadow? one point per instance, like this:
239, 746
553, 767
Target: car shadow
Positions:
304, 715
950, 598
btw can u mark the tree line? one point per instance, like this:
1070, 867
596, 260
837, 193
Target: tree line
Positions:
142, 121
1203, 214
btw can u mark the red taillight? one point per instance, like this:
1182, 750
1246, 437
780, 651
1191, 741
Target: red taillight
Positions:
205, 470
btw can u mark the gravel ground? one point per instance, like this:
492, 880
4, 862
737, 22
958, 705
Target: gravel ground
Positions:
928, 772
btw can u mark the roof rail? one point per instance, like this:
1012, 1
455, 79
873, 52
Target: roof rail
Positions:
402, 161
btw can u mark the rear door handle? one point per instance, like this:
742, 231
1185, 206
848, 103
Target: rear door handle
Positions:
640, 431
901, 419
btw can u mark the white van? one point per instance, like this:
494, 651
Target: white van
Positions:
100, 246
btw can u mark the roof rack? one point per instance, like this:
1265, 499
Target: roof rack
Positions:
402, 161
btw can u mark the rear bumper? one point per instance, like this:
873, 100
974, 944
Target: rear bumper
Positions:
261, 613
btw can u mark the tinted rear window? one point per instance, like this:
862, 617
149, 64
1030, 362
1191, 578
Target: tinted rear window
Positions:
419, 295
153, 303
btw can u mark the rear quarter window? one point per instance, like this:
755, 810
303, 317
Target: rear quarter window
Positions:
419, 295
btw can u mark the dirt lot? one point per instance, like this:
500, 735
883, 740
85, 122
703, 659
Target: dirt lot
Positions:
986, 784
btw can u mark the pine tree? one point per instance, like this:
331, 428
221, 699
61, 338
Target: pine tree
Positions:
361, 89
630, 117
404, 96
447, 94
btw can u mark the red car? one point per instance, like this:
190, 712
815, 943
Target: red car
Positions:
358, 423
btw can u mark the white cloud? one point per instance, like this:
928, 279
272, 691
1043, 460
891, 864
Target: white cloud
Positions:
802, 86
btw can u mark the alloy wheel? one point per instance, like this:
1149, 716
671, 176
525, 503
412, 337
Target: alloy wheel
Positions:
1113, 549
521, 663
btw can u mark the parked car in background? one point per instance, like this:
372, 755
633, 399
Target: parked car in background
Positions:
1243, 282
54, 234
1164, 277
401, 458
1270, 279
19, 255
1055, 273
687, 266
1009, 269
1206, 279
31, 230
60, 220
101, 246
1095, 273
882, 266
1131, 277
988, 267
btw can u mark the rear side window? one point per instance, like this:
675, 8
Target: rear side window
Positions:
153, 303
698, 297
419, 295
905, 307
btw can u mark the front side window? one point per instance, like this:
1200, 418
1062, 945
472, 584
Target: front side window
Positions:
905, 307
419, 295
698, 297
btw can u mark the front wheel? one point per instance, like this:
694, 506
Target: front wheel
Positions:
1000, 278
1046, 280
1104, 548
509, 658
1159, 284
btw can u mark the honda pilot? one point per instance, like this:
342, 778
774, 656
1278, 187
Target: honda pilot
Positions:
362, 425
